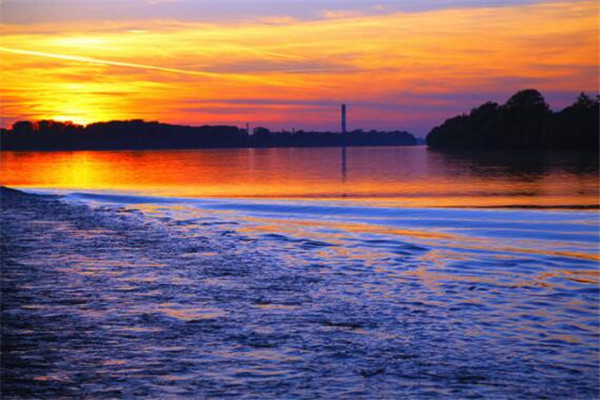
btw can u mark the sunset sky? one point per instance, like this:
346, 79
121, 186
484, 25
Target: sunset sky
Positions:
286, 64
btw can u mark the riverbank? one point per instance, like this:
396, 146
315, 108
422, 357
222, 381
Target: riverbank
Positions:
118, 297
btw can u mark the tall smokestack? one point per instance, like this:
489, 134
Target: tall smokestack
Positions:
343, 118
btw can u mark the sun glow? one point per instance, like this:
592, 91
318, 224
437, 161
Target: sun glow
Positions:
399, 70
79, 120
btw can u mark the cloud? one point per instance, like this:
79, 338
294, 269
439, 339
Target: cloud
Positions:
223, 11
334, 14
98, 61
395, 69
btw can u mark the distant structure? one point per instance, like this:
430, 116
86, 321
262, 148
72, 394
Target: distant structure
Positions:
343, 118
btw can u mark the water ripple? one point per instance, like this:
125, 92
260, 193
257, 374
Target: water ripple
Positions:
187, 300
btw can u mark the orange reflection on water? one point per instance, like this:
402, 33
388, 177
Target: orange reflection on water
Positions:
411, 176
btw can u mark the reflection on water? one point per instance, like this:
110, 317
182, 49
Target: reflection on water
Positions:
336, 275
344, 163
168, 298
406, 176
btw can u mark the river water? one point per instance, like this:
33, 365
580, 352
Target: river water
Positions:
302, 273
399, 176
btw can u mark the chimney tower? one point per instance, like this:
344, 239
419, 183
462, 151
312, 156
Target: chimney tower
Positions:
343, 118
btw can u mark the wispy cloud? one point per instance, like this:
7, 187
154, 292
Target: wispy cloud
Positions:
399, 69
333, 14
212, 75
98, 61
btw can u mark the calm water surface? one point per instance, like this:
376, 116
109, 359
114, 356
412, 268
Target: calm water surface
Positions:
404, 176
285, 273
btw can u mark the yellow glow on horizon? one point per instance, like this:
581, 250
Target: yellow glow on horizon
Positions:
79, 120
276, 70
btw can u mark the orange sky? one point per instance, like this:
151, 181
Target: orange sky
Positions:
399, 70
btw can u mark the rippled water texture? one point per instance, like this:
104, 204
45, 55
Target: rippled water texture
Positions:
160, 297
300, 273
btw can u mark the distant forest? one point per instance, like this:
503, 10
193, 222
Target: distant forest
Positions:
138, 135
525, 121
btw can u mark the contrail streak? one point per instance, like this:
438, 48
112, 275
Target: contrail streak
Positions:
92, 60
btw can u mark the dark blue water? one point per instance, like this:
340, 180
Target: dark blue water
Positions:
124, 296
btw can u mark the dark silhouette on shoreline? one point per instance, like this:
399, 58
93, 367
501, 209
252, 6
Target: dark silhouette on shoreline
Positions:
525, 122
139, 134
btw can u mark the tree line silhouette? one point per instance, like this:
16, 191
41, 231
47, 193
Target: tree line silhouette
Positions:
525, 121
139, 134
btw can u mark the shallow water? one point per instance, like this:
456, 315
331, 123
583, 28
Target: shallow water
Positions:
167, 297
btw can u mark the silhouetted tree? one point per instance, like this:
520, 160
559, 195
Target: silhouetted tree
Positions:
138, 134
261, 131
485, 112
585, 102
22, 127
527, 104
525, 121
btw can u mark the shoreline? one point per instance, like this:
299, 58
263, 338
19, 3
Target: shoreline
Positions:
137, 197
